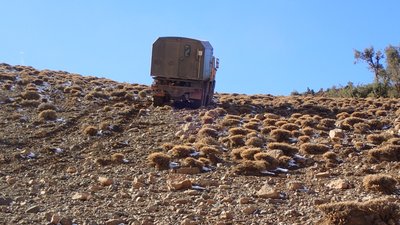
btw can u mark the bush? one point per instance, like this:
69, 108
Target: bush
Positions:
381, 183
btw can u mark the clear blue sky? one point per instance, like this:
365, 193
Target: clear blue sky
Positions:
264, 46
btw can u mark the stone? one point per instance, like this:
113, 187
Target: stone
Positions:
323, 175
339, 184
250, 210
11, 180
268, 192
179, 185
245, 200
81, 196
227, 215
55, 218
5, 201
66, 221
33, 209
105, 181
71, 169
115, 222
295, 185
336, 133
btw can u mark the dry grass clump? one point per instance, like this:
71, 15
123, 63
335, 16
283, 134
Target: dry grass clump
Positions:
248, 154
304, 138
252, 126
30, 95
236, 140
372, 212
90, 130
181, 151
287, 149
272, 162
192, 162
381, 113
331, 157
255, 142
280, 135
206, 141
326, 124
361, 128
269, 122
237, 131
380, 183
388, 153
207, 132
230, 122
159, 160
393, 141
250, 167
209, 150
362, 115
290, 127
30, 103
236, 153
377, 139
314, 149
272, 116
48, 114
350, 121
207, 120
45, 106
280, 123
377, 124
117, 158
267, 130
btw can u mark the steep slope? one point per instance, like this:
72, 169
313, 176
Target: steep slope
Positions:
88, 150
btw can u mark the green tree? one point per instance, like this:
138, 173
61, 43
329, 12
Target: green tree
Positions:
373, 59
393, 66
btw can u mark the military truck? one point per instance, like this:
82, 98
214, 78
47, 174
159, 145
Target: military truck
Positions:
184, 71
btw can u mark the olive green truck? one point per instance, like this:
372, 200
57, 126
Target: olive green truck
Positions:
184, 71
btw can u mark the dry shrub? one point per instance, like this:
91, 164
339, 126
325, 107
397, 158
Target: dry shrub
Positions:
280, 135
327, 123
372, 212
296, 115
330, 157
312, 148
192, 162
251, 126
381, 112
220, 111
236, 140
307, 122
393, 141
350, 121
283, 161
380, 183
376, 124
30, 103
159, 160
48, 114
255, 142
267, 130
188, 118
230, 122
237, 131
342, 115
236, 153
45, 106
209, 150
287, 149
290, 127
117, 158
181, 151
205, 161
272, 116
207, 132
207, 120
272, 162
30, 95
250, 167
362, 115
361, 128
386, 153
269, 122
304, 139
248, 154
90, 130
377, 139
309, 131
280, 123
207, 141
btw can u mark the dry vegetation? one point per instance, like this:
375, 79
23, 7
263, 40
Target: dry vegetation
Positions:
88, 150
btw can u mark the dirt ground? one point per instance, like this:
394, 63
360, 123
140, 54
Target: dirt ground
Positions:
85, 150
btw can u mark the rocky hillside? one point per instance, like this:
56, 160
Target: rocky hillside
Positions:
85, 150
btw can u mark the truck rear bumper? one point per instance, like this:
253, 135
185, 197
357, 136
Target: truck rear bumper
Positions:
177, 92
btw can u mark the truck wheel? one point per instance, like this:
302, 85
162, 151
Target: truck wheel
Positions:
194, 104
158, 101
